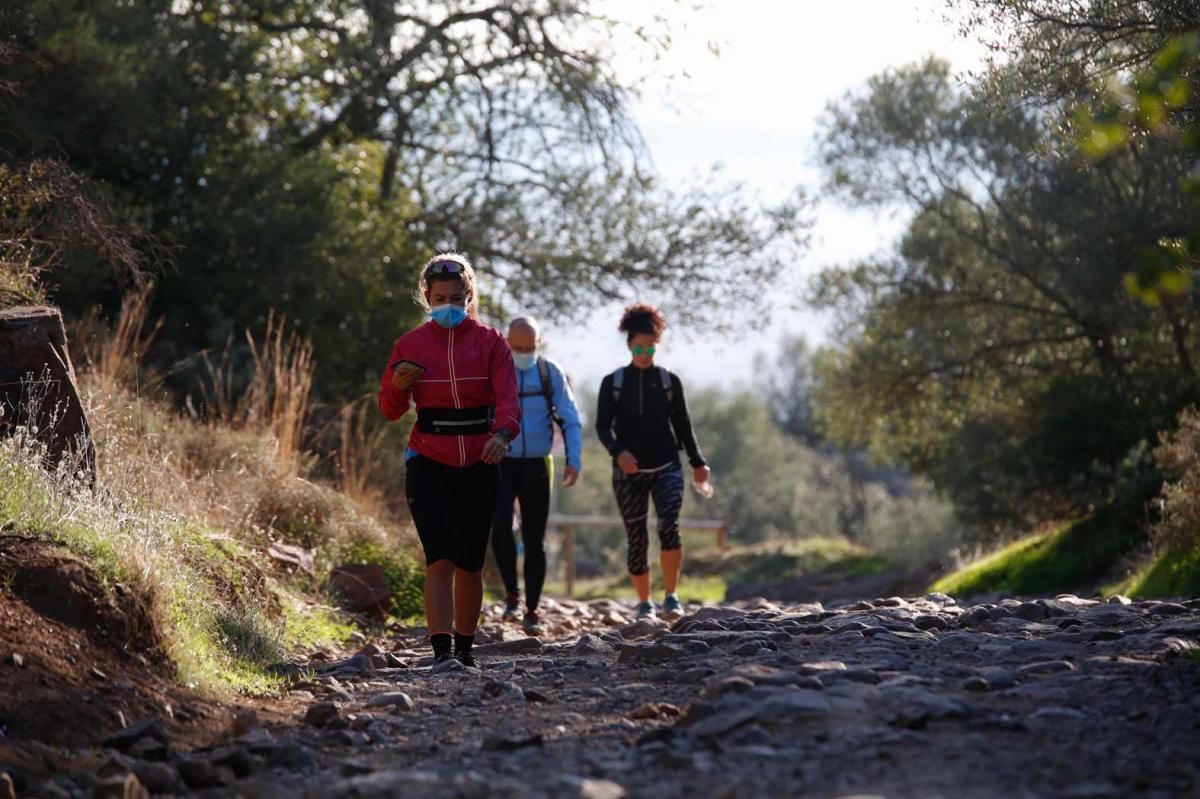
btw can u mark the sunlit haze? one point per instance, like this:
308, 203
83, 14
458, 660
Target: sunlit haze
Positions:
754, 110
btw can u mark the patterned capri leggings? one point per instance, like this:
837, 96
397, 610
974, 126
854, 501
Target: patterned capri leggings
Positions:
633, 494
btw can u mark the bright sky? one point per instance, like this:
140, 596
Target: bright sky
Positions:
754, 110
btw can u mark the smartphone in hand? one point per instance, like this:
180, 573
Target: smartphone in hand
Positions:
406, 362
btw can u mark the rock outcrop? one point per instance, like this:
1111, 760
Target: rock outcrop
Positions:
39, 396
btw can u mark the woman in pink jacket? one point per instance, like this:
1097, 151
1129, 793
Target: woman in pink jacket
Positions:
459, 374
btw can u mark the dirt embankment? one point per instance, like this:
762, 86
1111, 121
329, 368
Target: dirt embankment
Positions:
78, 662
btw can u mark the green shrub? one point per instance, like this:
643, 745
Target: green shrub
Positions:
1173, 570
782, 560
1178, 455
294, 510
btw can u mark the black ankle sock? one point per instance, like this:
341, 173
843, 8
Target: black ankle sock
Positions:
462, 643
441, 643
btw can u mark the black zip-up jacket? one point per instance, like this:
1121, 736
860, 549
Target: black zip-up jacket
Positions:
643, 424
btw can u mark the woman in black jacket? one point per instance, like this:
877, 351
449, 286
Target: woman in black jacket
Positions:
642, 420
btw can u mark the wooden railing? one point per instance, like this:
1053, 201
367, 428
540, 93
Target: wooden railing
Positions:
567, 525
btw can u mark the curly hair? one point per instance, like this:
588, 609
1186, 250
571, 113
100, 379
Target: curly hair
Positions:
467, 277
643, 318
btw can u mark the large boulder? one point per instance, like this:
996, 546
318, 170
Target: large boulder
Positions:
38, 391
362, 588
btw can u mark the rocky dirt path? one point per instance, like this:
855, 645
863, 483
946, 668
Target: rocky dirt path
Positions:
894, 698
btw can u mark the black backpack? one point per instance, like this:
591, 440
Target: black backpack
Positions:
545, 390
664, 377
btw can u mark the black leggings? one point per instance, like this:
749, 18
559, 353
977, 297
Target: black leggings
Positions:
452, 508
633, 498
526, 480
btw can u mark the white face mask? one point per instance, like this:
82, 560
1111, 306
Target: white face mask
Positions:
524, 360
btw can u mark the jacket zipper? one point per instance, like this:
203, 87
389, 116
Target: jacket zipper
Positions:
641, 400
462, 450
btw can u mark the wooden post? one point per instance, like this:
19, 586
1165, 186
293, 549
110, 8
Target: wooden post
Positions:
569, 558
722, 537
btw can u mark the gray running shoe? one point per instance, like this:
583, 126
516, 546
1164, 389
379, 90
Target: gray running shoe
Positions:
531, 623
645, 610
672, 607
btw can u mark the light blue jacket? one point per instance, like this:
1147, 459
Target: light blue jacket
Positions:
537, 428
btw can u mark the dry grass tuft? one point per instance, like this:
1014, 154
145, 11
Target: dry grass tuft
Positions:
275, 395
113, 358
360, 440
187, 509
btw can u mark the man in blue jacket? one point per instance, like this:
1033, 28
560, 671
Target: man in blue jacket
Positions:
525, 475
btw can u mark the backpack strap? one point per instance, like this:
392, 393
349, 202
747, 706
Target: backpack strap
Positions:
664, 377
618, 377
543, 369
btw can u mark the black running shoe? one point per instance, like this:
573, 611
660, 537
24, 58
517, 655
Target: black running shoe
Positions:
442, 657
466, 658
512, 607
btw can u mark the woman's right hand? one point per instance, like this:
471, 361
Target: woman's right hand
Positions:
627, 463
405, 375
495, 449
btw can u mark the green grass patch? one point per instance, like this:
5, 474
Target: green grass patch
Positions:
1169, 574
1072, 556
218, 649
221, 620
707, 573
307, 626
710, 589
785, 560
404, 574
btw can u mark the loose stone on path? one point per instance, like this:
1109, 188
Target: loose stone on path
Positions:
889, 696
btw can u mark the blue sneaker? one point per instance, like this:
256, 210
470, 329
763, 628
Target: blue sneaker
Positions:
672, 607
645, 610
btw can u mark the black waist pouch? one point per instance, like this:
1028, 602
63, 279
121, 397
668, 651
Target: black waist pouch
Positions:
455, 421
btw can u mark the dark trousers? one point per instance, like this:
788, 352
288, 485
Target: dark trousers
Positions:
634, 492
528, 481
452, 508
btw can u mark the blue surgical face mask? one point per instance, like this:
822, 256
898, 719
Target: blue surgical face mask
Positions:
448, 315
524, 360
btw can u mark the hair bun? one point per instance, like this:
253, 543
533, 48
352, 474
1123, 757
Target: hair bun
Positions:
643, 319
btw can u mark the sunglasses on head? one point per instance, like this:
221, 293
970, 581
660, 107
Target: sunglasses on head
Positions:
444, 268
640, 350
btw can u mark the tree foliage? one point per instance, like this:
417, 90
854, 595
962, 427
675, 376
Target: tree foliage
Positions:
771, 486
1058, 51
308, 155
49, 213
996, 349
1123, 71
787, 382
